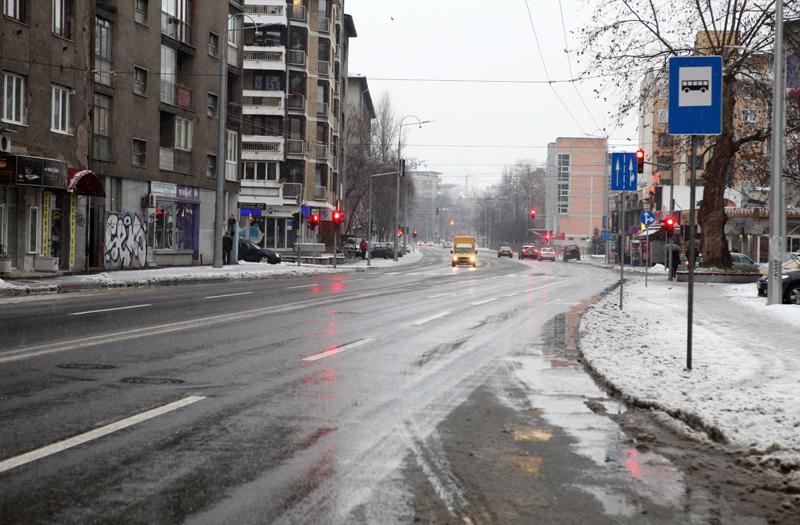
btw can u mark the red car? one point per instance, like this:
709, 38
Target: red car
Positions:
505, 251
528, 252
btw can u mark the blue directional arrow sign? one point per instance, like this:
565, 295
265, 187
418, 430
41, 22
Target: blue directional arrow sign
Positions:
648, 218
624, 175
695, 95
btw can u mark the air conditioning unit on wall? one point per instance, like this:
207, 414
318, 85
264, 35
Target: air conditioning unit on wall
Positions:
149, 201
5, 144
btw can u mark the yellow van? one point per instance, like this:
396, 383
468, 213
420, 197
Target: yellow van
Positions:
465, 250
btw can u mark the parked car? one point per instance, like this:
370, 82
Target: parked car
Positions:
743, 263
352, 246
571, 251
250, 252
382, 250
527, 252
791, 287
791, 261
505, 251
547, 254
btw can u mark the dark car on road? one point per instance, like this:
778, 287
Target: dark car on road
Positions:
250, 252
571, 251
527, 252
505, 251
382, 250
791, 286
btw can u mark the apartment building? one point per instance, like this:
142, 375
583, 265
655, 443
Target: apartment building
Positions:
575, 188
294, 82
44, 185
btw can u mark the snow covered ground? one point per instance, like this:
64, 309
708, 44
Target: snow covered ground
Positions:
745, 382
408, 258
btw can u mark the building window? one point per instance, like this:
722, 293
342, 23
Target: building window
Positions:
13, 98
211, 165
664, 140
102, 127
140, 81
663, 116
231, 155
165, 225
255, 170
233, 33
213, 44
563, 173
750, 115
102, 51
183, 134
139, 153
14, 9
60, 109
212, 105
61, 16
33, 229
141, 12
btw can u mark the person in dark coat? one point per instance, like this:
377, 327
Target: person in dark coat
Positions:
363, 247
227, 249
676, 261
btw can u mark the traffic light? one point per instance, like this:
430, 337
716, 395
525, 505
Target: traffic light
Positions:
547, 236
314, 220
399, 232
669, 224
415, 233
452, 222
338, 217
639, 160
532, 213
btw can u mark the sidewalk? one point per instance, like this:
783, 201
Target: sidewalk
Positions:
181, 275
744, 388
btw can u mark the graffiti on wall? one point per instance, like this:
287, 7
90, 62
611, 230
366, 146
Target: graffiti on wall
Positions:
126, 241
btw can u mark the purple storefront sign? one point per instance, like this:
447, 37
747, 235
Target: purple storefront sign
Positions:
187, 193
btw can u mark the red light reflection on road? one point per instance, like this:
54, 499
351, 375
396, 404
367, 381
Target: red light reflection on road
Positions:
632, 463
337, 287
316, 290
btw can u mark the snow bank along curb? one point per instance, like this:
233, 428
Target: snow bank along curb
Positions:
743, 389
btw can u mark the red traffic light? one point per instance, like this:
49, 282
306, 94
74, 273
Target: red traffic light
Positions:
314, 220
338, 217
640, 160
452, 222
547, 236
532, 213
670, 222
415, 233
399, 232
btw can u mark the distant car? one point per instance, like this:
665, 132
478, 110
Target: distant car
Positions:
250, 252
505, 251
382, 250
527, 252
447, 244
571, 251
743, 263
791, 287
547, 254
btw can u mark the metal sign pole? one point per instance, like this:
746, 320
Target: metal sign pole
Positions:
647, 259
369, 228
621, 247
690, 262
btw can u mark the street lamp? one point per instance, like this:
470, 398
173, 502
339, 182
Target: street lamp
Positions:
400, 174
219, 210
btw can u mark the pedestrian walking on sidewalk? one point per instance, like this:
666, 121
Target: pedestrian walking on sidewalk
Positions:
363, 246
676, 261
227, 248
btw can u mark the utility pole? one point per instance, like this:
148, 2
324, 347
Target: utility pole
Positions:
777, 229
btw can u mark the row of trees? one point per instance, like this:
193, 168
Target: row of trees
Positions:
646, 33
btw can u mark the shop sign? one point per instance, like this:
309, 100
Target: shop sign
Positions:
187, 193
163, 189
8, 169
36, 171
253, 205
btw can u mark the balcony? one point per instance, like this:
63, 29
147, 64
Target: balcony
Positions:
265, 15
320, 193
292, 190
262, 147
322, 151
337, 52
176, 95
295, 147
296, 102
297, 57
322, 109
231, 171
175, 28
323, 68
232, 56
175, 160
263, 103
337, 88
297, 13
324, 25
257, 57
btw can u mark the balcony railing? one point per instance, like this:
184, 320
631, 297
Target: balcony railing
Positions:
295, 146
322, 150
323, 68
261, 147
272, 10
296, 57
324, 25
322, 109
292, 190
296, 102
175, 94
264, 56
297, 12
176, 28
259, 104
176, 160
320, 193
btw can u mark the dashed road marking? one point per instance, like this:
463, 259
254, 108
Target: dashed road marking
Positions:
337, 349
112, 309
227, 295
431, 318
97, 433
485, 301
304, 286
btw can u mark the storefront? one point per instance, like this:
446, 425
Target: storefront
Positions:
268, 226
175, 224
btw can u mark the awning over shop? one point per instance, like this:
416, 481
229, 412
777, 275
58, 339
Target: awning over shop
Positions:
85, 182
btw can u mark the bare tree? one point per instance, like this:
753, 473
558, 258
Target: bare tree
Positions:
645, 33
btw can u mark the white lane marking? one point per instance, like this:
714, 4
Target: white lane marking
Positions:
543, 287
112, 309
438, 295
485, 301
431, 318
338, 349
227, 295
97, 433
304, 286
512, 294
393, 273
349, 280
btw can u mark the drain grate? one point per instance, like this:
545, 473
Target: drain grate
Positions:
85, 366
151, 381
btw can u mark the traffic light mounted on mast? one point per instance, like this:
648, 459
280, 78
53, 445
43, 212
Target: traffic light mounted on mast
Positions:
532, 213
338, 217
639, 160
313, 221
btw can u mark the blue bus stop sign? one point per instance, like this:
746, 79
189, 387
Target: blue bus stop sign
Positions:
695, 95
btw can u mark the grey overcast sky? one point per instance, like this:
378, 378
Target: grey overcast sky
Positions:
478, 39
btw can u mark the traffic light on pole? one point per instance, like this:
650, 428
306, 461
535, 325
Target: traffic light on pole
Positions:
399, 232
639, 160
452, 222
669, 224
547, 236
415, 233
532, 213
314, 220
338, 217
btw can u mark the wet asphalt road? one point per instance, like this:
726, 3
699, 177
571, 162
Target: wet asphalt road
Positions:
289, 401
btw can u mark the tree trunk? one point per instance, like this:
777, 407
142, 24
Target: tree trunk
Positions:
711, 216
